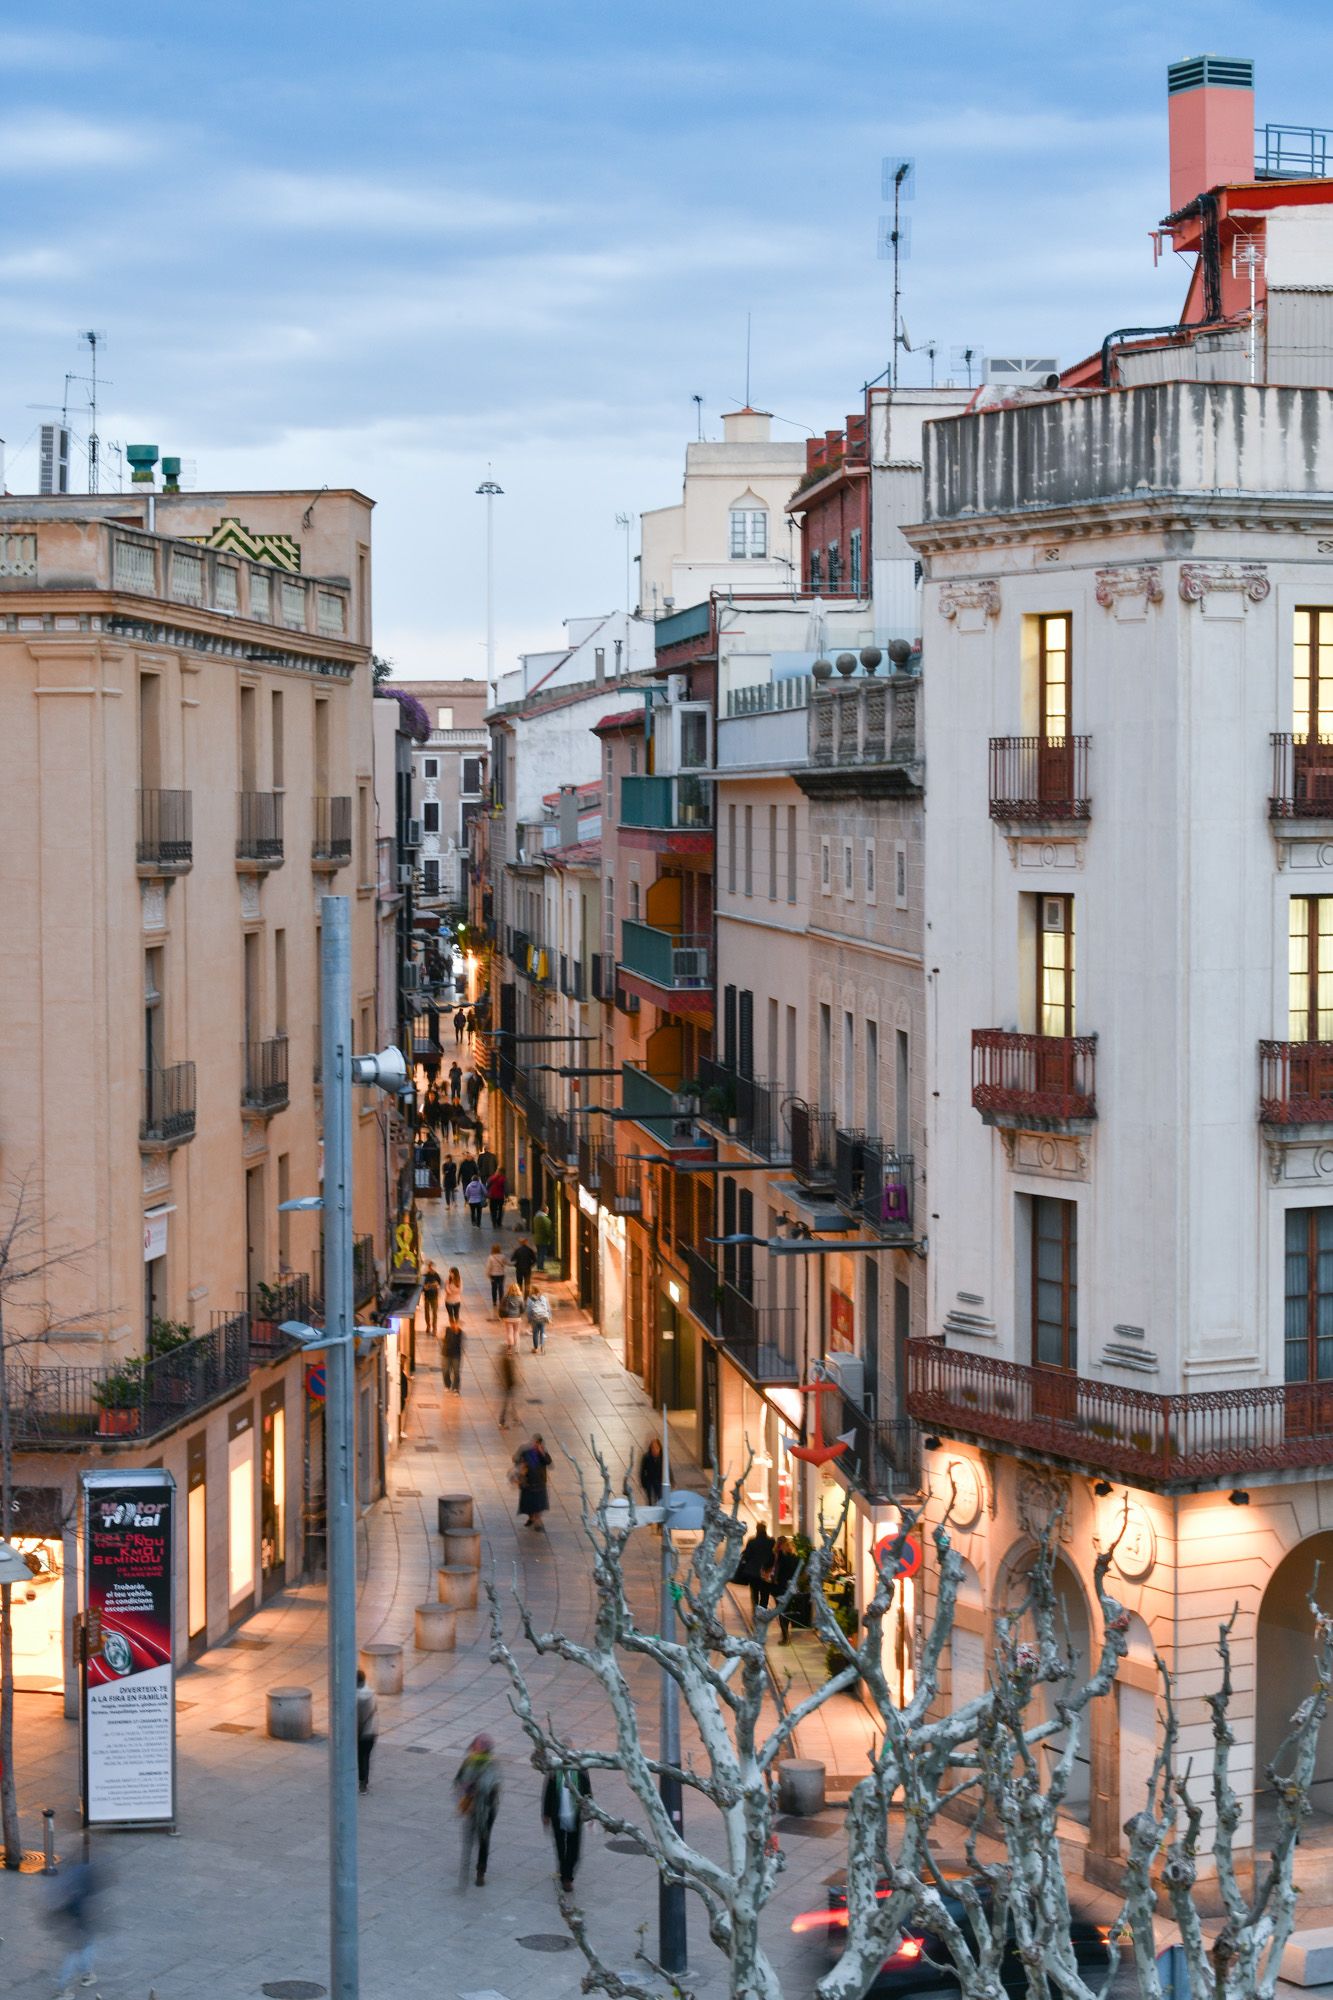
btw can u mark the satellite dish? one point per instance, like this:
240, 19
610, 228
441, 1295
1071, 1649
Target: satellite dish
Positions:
902, 336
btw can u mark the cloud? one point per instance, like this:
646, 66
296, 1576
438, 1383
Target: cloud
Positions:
282, 200
43, 141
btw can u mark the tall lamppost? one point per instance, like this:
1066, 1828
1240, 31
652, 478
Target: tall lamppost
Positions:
340, 1071
490, 492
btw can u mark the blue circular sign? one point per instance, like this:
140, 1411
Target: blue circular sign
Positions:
314, 1383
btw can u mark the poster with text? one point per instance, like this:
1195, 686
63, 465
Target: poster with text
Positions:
129, 1693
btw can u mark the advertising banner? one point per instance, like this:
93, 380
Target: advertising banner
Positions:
129, 1681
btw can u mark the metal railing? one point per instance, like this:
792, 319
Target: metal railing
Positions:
264, 1078
1291, 152
288, 1298
812, 1144
669, 805
620, 1185
705, 1288
1302, 777
135, 1398
887, 1188
1039, 778
762, 1338
259, 826
1296, 1083
166, 830
333, 830
659, 1105
168, 1105
770, 697
1125, 1433
365, 1278
676, 963
1052, 1077
746, 1108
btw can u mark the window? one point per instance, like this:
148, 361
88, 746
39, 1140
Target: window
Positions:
279, 982
693, 739
900, 874
430, 816
1054, 1283
791, 854
276, 735
363, 854
745, 1032
834, 558
870, 871
1310, 969
430, 767
848, 1072
444, 718
321, 746
825, 1054
150, 731
471, 786
772, 854
825, 878
729, 1027
1308, 1326
816, 570
902, 1074
749, 533
430, 877
848, 869
1055, 965
872, 1079
1053, 676
854, 562
731, 849
749, 850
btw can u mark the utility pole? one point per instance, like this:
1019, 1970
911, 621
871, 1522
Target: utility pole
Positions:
672, 1943
490, 492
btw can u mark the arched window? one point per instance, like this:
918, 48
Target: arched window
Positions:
749, 528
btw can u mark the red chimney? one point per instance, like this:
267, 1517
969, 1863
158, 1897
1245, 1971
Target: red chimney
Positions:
1210, 103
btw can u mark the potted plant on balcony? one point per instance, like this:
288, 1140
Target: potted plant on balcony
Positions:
719, 1105
117, 1397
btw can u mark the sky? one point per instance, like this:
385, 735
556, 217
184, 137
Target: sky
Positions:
412, 245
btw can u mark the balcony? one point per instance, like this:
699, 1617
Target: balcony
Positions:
812, 1144
1173, 1442
268, 1306
884, 1458
1302, 778
55, 1408
673, 964
875, 1183
659, 1105
668, 805
619, 1185
760, 1338
1035, 780
859, 725
259, 829
365, 1278
332, 845
166, 837
743, 1108
168, 1106
1043, 1080
264, 1075
1296, 1083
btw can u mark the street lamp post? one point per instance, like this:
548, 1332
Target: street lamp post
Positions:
490, 492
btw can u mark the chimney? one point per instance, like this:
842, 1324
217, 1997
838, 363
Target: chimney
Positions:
1210, 106
569, 815
747, 426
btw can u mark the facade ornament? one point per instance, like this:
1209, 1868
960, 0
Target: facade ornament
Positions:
1043, 1500
1133, 580
1198, 579
981, 597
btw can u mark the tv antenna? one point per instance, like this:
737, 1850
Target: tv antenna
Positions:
967, 358
747, 361
898, 179
698, 403
93, 336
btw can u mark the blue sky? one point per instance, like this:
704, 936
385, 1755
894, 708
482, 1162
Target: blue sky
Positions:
393, 245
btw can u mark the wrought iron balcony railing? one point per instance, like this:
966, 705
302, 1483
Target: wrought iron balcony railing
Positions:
168, 1105
60, 1407
1039, 778
746, 1108
166, 831
332, 844
259, 828
874, 1182
812, 1144
264, 1074
1296, 1083
1302, 777
1046, 1077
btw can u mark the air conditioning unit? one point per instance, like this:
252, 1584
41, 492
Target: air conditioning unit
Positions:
848, 1371
627, 1002
689, 966
412, 836
410, 978
405, 872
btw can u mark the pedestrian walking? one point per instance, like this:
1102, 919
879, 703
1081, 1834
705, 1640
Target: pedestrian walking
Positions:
506, 1370
524, 1258
562, 1812
367, 1728
452, 1353
460, 1022
532, 1462
755, 1567
472, 1021
430, 1297
786, 1563
449, 1179
472, 1090
486, 1161
539, 1318
75, 1891
497, 1188
511, 1310
474, 1194
543, 1235
495, 1271
650, 1473
455, 1080
477, 1796
453, 1295
467, 1170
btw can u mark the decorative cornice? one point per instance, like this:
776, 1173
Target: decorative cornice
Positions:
983, 596
1093, 520
1197, 579
1134, 580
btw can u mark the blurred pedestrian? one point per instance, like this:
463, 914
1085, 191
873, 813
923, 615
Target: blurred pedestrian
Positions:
524, 1258
367, 1728
452, 1358
562, 1812
755, 1567
455, 1080
533, 1462
477, 1795
786, 1562
497, 1189
506, 1370
472, 1021
472, 1090
449, 1178
430, 1297
650, 1472
474, 1194
74, 1892
539, 1318
495, 1271
543, 1235
460, 1022
467, 1169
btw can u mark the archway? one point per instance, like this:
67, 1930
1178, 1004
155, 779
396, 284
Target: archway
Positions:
1072, 1630
1285, 1645
1136, 1714
967, 1642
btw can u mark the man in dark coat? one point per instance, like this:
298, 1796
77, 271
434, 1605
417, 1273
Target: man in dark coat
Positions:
562, 1812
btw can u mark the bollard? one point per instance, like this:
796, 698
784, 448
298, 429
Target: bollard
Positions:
435, 1628
289, 1716
49, 1841
800, 1786
462, 1545
454, 1510
383, 1665
456, 1584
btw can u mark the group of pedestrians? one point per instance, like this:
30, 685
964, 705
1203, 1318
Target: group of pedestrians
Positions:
769, 1568
477, 1789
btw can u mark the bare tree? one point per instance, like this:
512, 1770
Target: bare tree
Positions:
25, 1267
1003, 1761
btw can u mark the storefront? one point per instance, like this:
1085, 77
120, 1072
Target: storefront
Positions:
37, 1607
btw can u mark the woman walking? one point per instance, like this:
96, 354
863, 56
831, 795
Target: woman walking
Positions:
533, 1462
786, 1562
511, 1311
506, 1372
452, 1358
539, 1315
495, 1271
497, 1188
474, 1194
477, 1794
453, 1295
562, 1812
755, 1568
449, 1179
650, 1473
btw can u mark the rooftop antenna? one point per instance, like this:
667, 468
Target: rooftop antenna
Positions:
963, 357
698, 403
92, 336
898, 179
747, 361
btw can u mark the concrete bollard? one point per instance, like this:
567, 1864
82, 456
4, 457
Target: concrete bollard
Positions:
49, 1841
435, 1628
383, 1668
291, 1714
463, 1545
800, 1786
456, 1584
455, 1511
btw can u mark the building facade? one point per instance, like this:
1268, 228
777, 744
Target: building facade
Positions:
448, 785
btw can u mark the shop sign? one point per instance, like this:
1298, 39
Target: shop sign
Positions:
587, 1202
842, 1322
129, 1676
155, 1234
